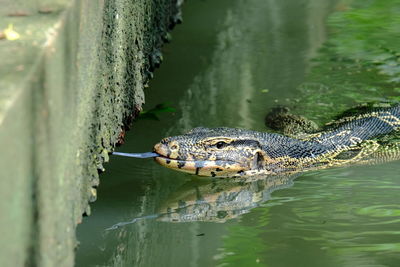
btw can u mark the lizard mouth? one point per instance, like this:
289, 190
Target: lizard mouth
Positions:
213, 168
202, 167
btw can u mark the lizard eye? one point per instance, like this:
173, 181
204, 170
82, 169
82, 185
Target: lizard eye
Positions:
220, 144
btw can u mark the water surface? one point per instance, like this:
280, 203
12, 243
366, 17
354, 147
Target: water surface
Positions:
228, 64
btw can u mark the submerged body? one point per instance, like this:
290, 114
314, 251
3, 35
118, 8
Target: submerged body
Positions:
230, 152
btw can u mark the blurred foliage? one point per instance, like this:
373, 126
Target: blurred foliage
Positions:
360, 61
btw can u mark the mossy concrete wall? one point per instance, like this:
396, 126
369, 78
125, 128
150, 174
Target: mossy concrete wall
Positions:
70, 82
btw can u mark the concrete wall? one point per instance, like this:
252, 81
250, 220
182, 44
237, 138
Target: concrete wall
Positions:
69, 85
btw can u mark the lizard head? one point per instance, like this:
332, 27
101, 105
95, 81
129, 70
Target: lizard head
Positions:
216, 152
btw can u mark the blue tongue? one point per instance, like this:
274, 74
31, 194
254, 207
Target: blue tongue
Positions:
137, 155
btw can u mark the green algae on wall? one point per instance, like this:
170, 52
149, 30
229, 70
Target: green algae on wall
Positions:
69, 87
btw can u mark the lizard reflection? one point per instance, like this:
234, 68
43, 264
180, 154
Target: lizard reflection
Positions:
218, 200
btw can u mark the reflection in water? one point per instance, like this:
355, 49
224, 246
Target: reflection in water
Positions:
342, 217
219, 200
264, 46
215, 200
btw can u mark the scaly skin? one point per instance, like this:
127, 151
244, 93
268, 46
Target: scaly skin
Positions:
230, 152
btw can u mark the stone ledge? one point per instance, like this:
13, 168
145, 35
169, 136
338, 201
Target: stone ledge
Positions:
69, 87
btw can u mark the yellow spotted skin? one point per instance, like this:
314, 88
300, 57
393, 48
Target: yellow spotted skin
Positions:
231, 152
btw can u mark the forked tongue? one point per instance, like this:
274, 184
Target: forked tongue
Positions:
137, 155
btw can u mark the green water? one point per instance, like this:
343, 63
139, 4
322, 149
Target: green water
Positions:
228, 64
